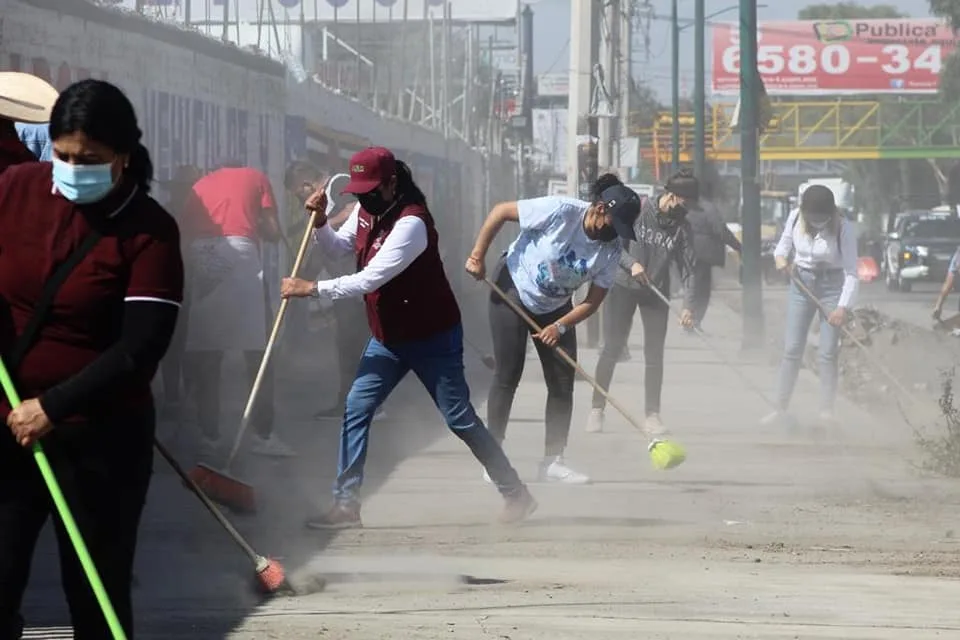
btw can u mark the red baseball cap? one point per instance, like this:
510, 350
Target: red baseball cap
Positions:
369, 169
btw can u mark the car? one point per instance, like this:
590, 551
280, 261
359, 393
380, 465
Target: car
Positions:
919, 249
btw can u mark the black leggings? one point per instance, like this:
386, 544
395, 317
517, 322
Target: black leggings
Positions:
104, 469
618, 311
510, 334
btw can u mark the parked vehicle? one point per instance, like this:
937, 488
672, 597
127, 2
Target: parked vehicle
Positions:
919, 249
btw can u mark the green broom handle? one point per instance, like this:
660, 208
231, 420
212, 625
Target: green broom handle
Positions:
116, 630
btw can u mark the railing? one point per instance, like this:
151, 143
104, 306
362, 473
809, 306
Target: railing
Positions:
828, 130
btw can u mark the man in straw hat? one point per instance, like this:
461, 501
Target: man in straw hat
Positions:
23, 98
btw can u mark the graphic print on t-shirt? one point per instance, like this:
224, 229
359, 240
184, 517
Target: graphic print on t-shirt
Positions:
560, 278
553, 256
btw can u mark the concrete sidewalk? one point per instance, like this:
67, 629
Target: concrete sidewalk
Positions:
760, 534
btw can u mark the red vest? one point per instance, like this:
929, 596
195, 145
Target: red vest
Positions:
419, 302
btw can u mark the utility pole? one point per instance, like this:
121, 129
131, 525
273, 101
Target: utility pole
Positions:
699, 99
752, 305
675, 85
525, 132
578, 100
624, 80
609, 52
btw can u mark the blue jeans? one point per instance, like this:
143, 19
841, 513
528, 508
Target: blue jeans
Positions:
438, 362
826, 286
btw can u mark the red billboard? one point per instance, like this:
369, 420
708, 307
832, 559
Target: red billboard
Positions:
837, 57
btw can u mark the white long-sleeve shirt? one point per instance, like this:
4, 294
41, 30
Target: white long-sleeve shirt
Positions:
822, 250
404, 244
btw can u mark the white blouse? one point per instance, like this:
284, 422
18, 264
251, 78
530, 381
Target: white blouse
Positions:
823, 250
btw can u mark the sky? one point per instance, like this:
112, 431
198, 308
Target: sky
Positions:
552, 29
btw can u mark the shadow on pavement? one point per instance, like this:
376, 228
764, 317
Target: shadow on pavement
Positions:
192, 580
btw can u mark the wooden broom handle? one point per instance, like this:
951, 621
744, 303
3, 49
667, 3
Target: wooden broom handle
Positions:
268, 350
566, 357
876, 363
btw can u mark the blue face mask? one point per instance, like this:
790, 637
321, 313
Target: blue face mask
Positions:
82, 183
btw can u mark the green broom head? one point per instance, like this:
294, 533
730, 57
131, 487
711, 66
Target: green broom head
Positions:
665, 454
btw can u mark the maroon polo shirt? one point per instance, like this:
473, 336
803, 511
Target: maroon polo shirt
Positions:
137, 258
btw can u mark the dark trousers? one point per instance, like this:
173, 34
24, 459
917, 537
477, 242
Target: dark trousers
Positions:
104, 470
206, 380
703, 276
438, 363
510, 335
353, 334
618, 310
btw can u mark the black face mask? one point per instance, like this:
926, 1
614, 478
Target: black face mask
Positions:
672, 216
374, 203
607, 234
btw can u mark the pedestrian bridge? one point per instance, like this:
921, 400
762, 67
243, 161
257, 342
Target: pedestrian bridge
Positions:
822, 131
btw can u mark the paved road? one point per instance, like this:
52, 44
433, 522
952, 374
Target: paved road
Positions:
913, 307
761, 534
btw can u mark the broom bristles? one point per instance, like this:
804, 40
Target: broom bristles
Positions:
271, 577
236, 495
665, 454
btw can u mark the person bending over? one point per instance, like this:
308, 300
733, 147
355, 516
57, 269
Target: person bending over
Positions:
563, 244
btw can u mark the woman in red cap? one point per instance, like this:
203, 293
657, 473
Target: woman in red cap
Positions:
415, 322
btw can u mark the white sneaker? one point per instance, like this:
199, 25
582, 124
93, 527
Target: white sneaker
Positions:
653, 426
556, 470
272, 447
595, 421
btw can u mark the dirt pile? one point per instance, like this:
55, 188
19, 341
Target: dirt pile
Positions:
916, 356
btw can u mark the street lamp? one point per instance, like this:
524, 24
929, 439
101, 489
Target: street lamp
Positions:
699, 99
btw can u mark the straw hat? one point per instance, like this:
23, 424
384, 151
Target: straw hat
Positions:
26, 98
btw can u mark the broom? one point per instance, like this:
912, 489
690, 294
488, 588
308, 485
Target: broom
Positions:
219, 484
866, 352
63, 510
664, 454
269, 575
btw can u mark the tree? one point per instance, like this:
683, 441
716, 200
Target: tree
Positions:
849, 11
949, 9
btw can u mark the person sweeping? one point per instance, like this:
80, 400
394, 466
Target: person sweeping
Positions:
823, 247
415, 321
563, 244
91, 279
662, 237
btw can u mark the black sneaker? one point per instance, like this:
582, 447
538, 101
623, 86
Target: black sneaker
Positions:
339, 516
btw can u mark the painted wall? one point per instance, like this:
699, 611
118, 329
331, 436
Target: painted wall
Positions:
200, 101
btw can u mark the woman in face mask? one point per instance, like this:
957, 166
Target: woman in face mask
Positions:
663, 237
414, 319
85, 232
823, 246
563, 243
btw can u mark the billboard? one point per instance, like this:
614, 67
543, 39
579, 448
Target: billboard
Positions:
837, 57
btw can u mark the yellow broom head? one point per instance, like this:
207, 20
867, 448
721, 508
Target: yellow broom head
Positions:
665, 454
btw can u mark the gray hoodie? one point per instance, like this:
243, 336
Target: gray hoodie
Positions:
656, 246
